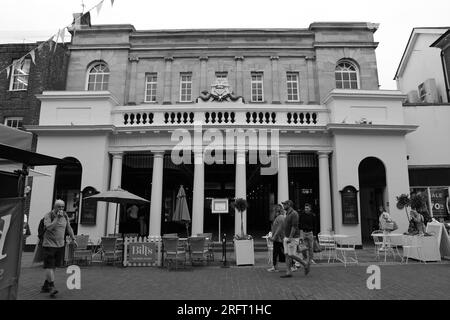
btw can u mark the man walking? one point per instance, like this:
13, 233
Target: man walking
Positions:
56, 224
292, 239
306, 226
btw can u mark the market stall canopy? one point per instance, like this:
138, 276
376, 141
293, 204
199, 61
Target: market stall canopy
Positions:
15, 138
15, 146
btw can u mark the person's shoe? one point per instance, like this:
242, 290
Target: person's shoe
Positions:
307, 268
46, 287
53, 290
297, 264
313, 262
294, 268
273, 270
286, 276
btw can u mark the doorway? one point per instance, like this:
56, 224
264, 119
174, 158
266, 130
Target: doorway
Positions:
372, 184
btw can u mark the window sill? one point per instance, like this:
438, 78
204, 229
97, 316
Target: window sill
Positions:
21, 90
185, 102
294, 102
150, 102
258, 102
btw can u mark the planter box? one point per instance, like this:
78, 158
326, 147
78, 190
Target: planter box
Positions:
244, 252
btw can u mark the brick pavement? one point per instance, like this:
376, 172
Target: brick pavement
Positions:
326, 281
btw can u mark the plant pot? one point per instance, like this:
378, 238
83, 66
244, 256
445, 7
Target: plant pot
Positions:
244, 252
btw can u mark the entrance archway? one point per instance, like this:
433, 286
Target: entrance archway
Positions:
372, 184
68, 188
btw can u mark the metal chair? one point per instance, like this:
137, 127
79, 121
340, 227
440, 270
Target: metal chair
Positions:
409, 246
377, 237
197, 250
110, 252
81, 252
345, 246
209, 244
328, 244
173, 252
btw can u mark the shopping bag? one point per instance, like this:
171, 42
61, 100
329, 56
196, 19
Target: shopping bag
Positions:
316, 247
38, 253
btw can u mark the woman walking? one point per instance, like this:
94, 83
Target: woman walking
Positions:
277, 238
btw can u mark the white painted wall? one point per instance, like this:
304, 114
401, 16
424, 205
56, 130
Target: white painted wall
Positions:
423, 63
349, 151
92, 152
429, 144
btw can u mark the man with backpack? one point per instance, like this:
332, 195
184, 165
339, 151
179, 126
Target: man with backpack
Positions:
56, 224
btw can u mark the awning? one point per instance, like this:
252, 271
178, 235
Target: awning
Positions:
15, 138
27, 157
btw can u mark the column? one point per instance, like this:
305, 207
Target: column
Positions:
239, 76
203, 74
241, 190
168, 81
275, 80
283, 177
198, 193
132, 94
313, 93
116, 181
156, 195
324, 192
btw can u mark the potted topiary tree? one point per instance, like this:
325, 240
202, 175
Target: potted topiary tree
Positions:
243, 243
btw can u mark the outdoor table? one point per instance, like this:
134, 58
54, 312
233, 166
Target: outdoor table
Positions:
429, 247
389, 245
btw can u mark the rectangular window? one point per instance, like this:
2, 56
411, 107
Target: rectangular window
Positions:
20, 74
150, 87
186, 88
14, 122
292, 87
222, 75
257, 87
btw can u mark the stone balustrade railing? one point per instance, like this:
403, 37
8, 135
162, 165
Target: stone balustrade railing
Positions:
179, 116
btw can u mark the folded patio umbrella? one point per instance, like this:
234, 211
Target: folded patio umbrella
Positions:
181, 213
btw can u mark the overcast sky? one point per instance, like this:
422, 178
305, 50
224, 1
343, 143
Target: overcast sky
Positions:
33, 20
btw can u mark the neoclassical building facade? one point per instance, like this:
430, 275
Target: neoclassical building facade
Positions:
340, 147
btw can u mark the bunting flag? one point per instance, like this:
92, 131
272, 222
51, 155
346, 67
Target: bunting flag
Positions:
99, 7
33, 56
51, 42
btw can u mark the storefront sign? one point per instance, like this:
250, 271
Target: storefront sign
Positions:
349, 205
141, 252
89, 207
11, 224
439, 197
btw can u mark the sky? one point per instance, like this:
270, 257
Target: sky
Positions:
35, 20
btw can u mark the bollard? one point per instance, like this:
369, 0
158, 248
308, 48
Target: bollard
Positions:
224, 251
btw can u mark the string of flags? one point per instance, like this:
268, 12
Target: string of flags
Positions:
60, 35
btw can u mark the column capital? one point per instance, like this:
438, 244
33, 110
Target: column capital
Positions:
283, 153
116, 154
158, 153
239, 58
203, 58
276, 58
323, 154
133, 58
168, 59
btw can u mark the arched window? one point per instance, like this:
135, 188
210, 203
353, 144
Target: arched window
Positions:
98, 77
346, 75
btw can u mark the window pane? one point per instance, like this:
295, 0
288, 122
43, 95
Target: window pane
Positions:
353, 76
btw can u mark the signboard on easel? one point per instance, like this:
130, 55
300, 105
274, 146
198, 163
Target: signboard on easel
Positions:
219, 206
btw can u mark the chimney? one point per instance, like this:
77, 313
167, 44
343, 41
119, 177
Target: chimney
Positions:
81, 20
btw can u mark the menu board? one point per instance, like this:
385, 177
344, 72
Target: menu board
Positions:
89, 207
142, 252
349, 205
219, 206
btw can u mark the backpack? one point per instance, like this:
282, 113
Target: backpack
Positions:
41, 230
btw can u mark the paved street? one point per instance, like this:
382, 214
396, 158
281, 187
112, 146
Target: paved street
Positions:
334, 281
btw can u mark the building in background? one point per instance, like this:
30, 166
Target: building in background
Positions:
19, 105
423, 76
341, 139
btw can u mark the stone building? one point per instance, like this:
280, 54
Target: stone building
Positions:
337, 141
